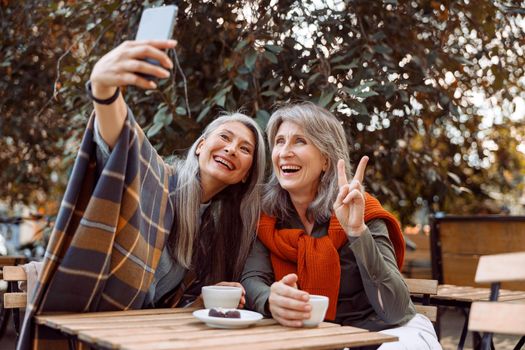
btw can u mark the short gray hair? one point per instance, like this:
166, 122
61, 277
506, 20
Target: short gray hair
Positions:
325, 131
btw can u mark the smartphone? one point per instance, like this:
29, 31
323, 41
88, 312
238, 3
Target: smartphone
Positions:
156, 23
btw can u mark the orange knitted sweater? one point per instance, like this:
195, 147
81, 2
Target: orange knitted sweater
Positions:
316, 260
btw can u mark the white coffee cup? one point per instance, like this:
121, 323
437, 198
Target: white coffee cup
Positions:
319, 305
221, 296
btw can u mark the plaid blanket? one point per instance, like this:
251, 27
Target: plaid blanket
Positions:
108, 237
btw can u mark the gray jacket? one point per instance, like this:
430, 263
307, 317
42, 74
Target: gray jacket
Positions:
372, 293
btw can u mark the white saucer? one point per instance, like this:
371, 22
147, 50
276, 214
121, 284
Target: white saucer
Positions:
247, 318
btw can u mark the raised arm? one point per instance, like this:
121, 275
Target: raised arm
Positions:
119, 67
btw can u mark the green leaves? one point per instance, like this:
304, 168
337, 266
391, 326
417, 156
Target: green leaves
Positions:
270, 57
353, 64
180, 110
358, 107
220, 97
203, 113
250, 60
325, 98
262, 117
270, 93
240, 83
154, 130
273, 48
242, 44
383, 49
362, 91
377, 65
313, 78
162, 118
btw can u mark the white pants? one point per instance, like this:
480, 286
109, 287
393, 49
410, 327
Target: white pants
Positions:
417, 334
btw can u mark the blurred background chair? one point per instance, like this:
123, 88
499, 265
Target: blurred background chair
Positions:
495, 316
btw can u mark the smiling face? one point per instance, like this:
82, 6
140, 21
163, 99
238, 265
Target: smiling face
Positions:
297, 162
225, 156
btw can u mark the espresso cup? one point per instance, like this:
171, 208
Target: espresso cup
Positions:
319, 305
221, 296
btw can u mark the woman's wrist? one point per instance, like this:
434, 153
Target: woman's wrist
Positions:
356, 231
101, 94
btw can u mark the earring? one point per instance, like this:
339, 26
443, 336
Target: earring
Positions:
244, 179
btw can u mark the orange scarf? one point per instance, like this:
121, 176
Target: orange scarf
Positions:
316, 260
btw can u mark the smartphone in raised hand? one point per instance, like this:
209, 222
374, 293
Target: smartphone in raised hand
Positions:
156, 23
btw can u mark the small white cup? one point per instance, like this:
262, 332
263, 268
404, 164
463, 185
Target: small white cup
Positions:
319, 306
221, 296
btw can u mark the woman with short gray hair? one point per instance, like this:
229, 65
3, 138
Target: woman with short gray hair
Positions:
321, 234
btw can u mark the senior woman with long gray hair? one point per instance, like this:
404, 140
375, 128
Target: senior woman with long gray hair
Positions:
321, 234
135, 231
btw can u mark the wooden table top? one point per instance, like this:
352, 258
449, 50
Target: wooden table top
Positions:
471, 294
178, 329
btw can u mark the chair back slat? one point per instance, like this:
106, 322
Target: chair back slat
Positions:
422, 286
14, 273
12, 298
454, 262
427, 310
15, 300
497, 317
425, 288
501, 268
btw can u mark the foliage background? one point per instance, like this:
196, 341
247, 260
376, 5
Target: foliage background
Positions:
432, 91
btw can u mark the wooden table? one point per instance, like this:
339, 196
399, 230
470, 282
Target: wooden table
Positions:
178, 329
463, 296
466, 295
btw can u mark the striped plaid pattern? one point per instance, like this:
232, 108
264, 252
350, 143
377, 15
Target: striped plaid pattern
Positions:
108, 237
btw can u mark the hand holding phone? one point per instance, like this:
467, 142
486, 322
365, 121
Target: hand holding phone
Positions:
125, 63
156, 24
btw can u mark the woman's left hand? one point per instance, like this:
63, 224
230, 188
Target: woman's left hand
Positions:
236, 284
349, 207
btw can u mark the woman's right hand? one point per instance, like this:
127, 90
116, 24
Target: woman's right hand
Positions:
289, 306
119, 66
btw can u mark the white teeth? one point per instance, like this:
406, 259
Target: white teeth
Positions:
290, 167
221, 160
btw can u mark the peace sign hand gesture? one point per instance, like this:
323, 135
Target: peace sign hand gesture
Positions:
349, 206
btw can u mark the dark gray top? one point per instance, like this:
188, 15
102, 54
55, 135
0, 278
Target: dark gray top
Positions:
368, 272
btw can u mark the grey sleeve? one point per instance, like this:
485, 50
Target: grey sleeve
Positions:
257, 278
102, 151
384, 285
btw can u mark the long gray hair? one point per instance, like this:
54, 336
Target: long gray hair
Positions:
325, 131
232, 215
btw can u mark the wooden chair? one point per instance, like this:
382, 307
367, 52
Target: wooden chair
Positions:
11, 260
420, 292
417, 257
493, 316
14, 299
457, 242
5, 314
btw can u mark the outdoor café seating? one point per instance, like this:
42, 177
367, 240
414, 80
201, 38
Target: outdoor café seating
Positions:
496, 316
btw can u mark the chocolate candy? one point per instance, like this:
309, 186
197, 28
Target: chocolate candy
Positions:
220, 313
